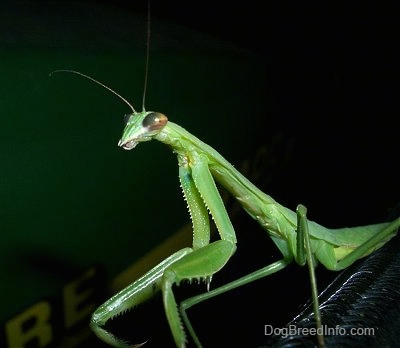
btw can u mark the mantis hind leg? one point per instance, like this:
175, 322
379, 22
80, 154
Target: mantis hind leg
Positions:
383, 232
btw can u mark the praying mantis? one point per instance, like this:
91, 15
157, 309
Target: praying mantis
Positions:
200, 167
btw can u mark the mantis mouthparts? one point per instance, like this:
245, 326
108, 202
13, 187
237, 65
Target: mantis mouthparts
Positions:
128, 145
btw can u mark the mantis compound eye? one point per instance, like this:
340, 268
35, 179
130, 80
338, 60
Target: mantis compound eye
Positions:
154, 121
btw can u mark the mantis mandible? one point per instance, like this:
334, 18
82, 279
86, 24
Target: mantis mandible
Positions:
200, 167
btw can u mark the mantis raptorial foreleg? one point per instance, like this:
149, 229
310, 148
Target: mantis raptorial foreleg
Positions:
201, 262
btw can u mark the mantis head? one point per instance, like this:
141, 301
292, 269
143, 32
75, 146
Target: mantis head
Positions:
141, 126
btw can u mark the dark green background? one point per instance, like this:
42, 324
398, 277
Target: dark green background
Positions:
70, 198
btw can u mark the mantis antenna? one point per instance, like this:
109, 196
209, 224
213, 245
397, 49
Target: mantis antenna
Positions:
98, 82
146, 71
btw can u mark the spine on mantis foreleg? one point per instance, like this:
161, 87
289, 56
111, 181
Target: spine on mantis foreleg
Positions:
197, 209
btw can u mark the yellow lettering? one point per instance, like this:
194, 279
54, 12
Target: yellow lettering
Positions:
29, 325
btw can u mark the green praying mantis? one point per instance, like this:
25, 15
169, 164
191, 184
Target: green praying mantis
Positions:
200, 167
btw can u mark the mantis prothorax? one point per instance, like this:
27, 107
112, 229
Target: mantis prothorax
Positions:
200, 167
